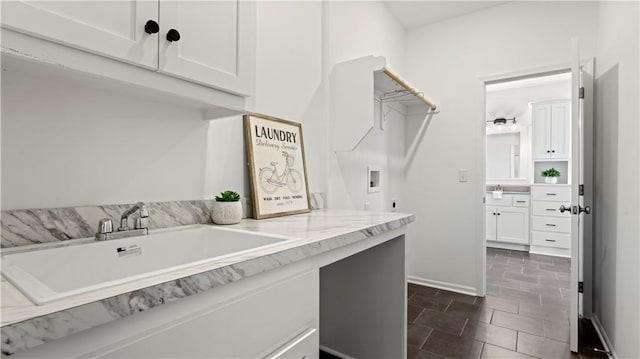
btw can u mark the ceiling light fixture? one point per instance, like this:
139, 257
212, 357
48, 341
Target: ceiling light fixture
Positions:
500, 121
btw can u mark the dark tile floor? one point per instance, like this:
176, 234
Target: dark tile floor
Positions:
524, 315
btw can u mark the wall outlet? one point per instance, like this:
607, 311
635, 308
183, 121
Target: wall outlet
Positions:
463, 175
366, 206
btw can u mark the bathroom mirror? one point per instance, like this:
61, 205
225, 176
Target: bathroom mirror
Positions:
505, 156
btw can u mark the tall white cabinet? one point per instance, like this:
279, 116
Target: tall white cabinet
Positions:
551, 126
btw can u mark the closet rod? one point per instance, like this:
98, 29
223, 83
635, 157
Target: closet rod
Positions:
408, 87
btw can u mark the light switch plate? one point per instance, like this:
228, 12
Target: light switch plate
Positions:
463, 175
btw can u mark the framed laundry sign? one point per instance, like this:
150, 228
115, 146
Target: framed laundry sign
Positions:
277, 167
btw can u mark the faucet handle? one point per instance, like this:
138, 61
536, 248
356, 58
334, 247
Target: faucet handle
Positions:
144, 212
105, 226
142, 221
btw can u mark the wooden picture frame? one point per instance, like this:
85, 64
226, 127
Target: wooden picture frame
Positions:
277, 166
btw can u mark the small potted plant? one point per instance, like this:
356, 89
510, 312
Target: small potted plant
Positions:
227, 208
551, 175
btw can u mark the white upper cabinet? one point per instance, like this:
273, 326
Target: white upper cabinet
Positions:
541, 131
114, 29
551, 131
560, 127
214, 42
210, 43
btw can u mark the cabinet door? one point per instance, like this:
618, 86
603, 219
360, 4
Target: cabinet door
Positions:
490, 218
110, 28
513, 225
560, 121
541, 118
215, 45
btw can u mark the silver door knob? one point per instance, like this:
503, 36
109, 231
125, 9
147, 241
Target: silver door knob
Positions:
586, 209
565, 209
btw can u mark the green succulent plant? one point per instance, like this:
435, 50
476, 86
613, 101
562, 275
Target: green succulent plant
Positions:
228, 196
551, 172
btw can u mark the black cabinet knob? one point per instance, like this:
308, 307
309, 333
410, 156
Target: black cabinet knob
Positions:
151, 27
553, 151
173, 35
548, 151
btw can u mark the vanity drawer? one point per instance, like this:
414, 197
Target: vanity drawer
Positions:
547, 239
506, 200
520, 200
551, 224
545, 208
551, 193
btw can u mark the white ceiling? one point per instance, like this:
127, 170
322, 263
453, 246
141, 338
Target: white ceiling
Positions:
418, 13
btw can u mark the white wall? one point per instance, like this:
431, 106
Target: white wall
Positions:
447, 60
67, 143
353, 30
288, 85
616, 207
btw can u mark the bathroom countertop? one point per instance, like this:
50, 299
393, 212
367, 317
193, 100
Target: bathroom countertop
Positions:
512, 192
26, 325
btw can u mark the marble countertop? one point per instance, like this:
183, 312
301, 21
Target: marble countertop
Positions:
25, 324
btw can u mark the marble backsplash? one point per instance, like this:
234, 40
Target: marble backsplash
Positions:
34, 226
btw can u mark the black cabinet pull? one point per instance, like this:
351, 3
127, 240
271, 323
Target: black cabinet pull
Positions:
173, 35
151, 27
550, 240
550, 225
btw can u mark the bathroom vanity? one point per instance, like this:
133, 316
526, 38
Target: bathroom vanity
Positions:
288, 299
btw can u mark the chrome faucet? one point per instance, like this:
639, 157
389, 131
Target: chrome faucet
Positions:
142, 222
141, 227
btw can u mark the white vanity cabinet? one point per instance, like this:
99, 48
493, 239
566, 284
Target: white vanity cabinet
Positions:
550, 229
507, 221
551, 130
215, 45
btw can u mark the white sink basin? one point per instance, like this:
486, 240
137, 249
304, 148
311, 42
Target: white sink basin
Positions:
50, 274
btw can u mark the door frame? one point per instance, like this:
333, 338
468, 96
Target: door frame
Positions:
483, 81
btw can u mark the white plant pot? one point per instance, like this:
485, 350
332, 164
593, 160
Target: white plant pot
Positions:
551, 180
226, 212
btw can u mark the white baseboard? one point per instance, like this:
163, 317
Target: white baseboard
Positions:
335, 352
604, 338
511, 246
463, 289
550, 251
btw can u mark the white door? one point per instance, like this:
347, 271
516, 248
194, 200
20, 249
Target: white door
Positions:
490, 218
512, 225
208, 42
541, 148
560, 127
114, 29
580, 109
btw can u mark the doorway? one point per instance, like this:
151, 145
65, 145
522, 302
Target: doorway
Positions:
527, 158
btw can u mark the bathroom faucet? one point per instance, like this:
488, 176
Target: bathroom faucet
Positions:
141, 227
142, 222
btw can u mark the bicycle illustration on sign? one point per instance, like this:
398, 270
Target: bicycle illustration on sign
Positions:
271, 180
